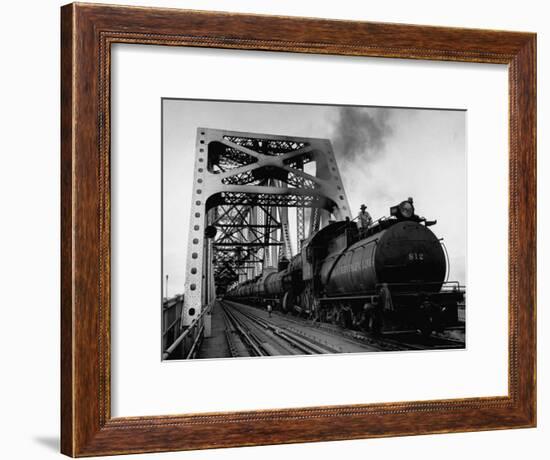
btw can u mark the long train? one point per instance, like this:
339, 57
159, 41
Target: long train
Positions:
391, 275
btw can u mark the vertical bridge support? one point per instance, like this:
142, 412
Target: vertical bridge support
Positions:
242, 185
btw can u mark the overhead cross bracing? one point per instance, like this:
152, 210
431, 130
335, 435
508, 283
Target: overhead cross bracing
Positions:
244, 185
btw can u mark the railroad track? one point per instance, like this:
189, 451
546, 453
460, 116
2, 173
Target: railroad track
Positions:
248, 326
236, 327
307, 344
302, 331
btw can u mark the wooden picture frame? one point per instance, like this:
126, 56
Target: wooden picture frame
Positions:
87, 33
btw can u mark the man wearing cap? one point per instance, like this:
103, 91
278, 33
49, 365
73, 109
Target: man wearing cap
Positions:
364, 219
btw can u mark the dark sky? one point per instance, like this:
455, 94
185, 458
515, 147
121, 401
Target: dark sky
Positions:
384, 154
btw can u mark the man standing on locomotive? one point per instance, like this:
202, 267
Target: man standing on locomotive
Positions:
364, 219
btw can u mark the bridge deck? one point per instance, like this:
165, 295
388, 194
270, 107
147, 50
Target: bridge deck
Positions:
215, 346
242, 330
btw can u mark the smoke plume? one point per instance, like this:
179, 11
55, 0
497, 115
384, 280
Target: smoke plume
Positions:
361, 133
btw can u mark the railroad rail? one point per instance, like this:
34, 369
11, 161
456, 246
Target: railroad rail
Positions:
251, 342
300, 341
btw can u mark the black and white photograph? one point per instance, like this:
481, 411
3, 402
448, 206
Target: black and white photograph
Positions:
305, 229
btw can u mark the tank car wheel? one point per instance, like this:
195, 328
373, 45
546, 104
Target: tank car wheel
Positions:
373, 320
432, 323
287, 303
430, 320
334, 316
304, 304
426, 328
429, 323
344, 319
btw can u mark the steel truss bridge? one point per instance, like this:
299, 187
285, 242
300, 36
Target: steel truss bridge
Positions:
245, 187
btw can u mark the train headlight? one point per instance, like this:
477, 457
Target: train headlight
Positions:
407, 209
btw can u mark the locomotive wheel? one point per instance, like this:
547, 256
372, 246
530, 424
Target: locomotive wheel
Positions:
306, 301
316, 316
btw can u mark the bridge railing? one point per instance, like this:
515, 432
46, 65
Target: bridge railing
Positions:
171, 318
185, 342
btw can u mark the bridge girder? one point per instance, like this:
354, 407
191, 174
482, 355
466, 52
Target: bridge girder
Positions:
243, 185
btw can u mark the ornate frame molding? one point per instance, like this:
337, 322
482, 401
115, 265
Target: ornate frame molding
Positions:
88, 31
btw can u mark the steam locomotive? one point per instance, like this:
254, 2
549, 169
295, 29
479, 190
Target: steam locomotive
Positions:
391, 275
